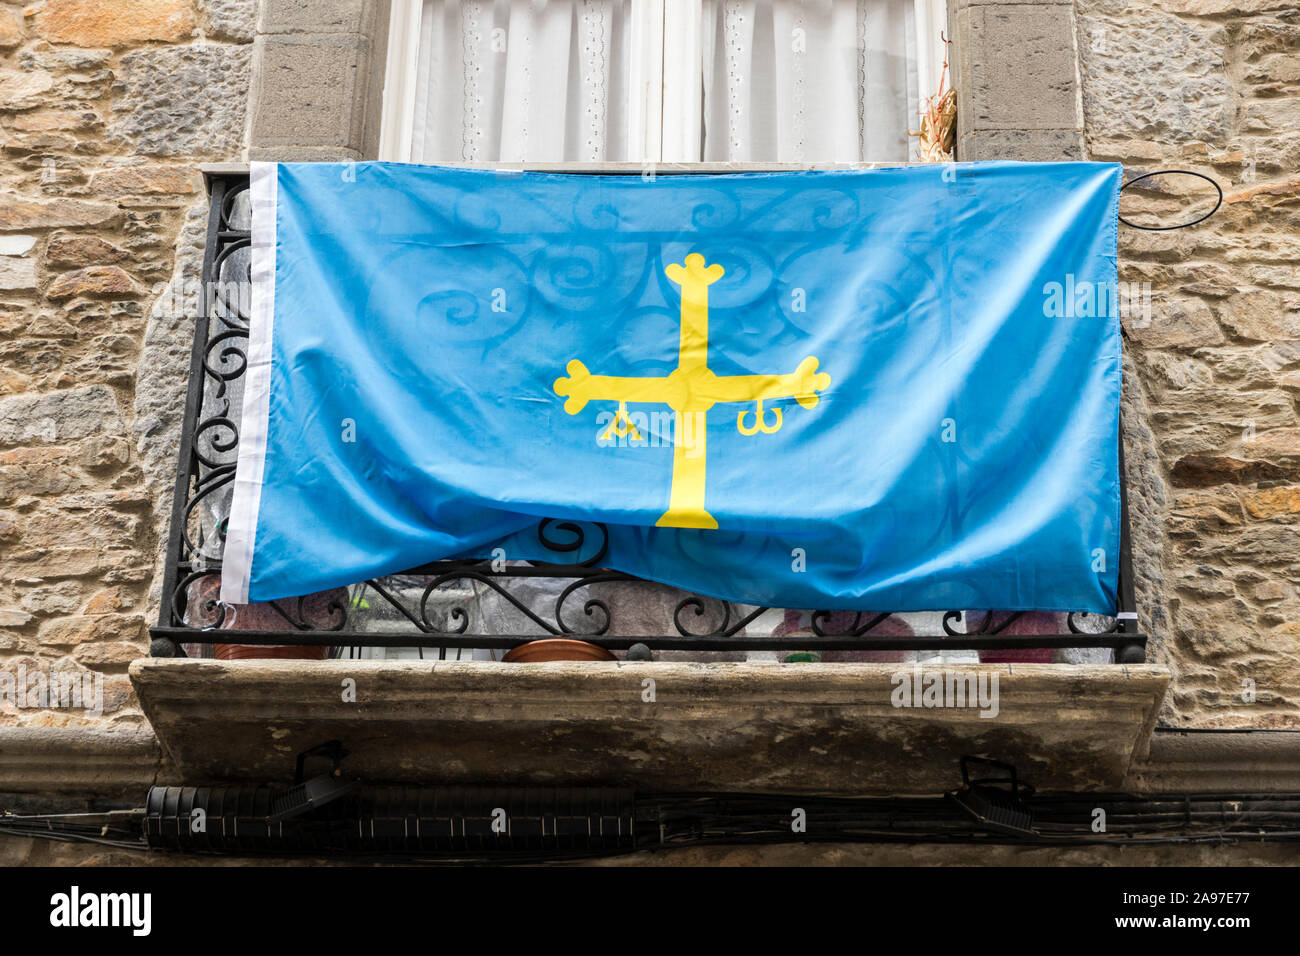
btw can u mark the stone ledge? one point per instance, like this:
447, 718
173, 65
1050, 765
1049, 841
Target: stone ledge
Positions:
78, 760
815, 728
1219, 761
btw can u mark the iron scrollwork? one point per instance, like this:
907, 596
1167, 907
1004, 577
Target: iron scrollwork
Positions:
486, 602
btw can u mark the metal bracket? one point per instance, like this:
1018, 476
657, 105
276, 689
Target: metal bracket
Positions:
990, 803
320, 790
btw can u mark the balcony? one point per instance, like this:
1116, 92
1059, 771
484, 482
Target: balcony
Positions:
695, 693
480, 609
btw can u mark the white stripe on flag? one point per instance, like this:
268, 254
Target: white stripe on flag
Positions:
237, 563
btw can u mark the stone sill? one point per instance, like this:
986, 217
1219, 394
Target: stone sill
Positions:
796, 728
212, 170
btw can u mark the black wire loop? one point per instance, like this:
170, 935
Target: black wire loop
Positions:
1173, 172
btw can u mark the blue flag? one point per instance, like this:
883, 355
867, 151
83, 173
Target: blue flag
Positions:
881, 390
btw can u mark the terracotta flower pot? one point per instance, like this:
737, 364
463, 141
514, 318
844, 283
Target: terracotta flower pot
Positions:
253, 652
1030, 622
557, 649
319, 608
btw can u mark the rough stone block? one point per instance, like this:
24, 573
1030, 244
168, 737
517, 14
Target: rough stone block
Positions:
1204, 471
1025, 145
92, 23
1260, 316
17, 273
94, 280
318, 16
1187, 324
146, 180
164, 371
109, 654
59, 416
1214, 8
55, 563
92, 629
11, 31
46, 120
20, 91
1282, 502
1021, 62
16, 245
1182, 94
310, 92
66, 249
61, 59
42, 472
183, 101
231, 19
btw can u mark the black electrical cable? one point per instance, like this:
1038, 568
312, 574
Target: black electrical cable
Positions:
672, 821
60, 836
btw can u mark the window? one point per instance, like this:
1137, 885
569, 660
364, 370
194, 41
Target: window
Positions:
797, 81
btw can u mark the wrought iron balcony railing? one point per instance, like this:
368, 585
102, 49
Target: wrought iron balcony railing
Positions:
480, 608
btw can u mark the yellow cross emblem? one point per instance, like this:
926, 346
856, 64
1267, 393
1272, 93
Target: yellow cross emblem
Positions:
692, 388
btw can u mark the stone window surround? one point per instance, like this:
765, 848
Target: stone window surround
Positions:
319, 68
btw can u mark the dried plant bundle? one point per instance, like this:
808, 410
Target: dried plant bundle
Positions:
938, 132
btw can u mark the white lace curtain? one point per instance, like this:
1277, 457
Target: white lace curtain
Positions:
810, 81
514, 80
778, 80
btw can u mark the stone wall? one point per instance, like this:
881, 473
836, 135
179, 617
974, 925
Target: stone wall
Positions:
106, 109
1214, 371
